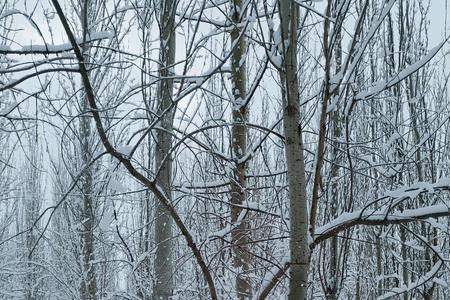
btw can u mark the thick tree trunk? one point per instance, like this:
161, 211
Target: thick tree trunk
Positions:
239, 216
299, 246
163, 287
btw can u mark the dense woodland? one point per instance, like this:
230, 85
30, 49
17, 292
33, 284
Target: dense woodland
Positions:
224, 149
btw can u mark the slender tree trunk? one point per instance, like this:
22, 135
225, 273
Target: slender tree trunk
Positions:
31, 207
239, 217
89, 282
88, 289
163, 288
336, 131
299, 246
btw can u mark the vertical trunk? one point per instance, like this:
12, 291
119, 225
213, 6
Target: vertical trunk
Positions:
374, 174
379, 259
144, 279
239, 216
31, 206
163, 287
88, 283
334, 199
88, 289
299, 246
30, 281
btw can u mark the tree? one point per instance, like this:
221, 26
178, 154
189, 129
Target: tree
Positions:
239, 216
298, 213
163, 161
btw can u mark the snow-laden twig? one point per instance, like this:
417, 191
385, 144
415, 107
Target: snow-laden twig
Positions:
55, 49
385, 215
413, 285
381, 85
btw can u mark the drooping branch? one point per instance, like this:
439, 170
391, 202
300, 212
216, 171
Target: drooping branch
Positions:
385, 215
47, 49
378, 217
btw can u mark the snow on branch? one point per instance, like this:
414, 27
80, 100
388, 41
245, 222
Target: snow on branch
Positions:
385, 215
381, 85
413, 285
55, 49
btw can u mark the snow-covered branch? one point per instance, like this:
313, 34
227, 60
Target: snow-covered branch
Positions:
386, 215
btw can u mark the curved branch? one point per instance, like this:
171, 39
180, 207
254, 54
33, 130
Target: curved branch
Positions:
151, 185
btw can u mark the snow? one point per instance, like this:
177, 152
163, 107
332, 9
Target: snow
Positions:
52, 48
47, 48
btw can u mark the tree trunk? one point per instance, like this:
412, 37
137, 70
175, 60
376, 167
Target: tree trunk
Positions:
239, 216
335, 199
88, 289
163, 287
31, 206
299, 246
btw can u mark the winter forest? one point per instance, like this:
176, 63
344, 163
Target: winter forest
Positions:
224, 149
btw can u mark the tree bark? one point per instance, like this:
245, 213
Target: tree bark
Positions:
299, 246
239, 216
163, 287
88, 288
32, 198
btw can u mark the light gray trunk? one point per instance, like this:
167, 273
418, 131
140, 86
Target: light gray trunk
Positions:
240, 233
299, 246
163, 287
